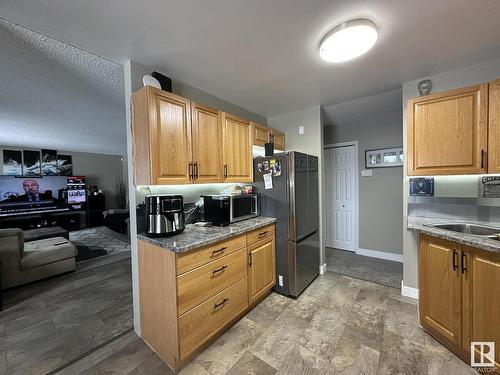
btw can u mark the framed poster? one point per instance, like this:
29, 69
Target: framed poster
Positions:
64, 165
49, 162
31, 163
384, 157
12, 163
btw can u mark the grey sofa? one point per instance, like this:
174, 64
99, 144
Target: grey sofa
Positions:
22, 262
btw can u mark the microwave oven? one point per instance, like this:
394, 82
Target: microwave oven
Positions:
222, 210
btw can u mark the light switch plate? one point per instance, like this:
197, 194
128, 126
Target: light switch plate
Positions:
301, 129
367, 173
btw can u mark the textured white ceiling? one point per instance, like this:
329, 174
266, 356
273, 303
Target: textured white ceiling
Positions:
363, 108
53, 95
263, 54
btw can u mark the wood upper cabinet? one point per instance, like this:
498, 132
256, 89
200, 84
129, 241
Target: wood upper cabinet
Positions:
260, 134
440, 289
494, 128
481, 298
447, 132
278, 139
161, 127
237, 149
206, 130
261, 269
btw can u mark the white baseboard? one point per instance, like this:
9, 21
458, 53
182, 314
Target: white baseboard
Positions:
322, 269
380, 255
406, 291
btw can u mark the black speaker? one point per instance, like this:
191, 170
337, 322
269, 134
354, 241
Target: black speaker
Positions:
165, 82
269, 149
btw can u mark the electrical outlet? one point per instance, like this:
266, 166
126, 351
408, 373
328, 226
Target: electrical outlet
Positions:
280, 280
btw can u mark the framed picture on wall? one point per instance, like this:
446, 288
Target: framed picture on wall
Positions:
12, 163
64, 165
31, 163
384, 157
49, 162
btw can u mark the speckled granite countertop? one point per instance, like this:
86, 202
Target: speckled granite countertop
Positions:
194, 237
418, 224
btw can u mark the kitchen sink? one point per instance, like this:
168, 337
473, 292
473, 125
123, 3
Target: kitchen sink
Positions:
467, 228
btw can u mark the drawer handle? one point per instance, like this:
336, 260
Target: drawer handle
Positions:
263, 233
218, 252
219, 270
217, 305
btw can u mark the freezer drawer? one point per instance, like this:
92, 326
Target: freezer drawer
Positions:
303, 262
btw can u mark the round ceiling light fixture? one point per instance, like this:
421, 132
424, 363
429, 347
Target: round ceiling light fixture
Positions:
348, 40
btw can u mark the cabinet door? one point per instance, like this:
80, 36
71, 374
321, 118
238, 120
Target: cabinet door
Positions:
447, 132
278, 140
260, 134
238, 162
261, 269
494, 128
481, 298
170, 138
207, 143
440, 289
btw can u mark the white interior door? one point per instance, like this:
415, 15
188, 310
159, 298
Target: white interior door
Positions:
341, 197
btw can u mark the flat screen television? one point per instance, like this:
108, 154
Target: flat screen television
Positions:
24, 195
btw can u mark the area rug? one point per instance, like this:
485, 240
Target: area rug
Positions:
86, 253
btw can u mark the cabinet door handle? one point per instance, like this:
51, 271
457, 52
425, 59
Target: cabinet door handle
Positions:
217, 305
250, 259
225, 171
195, 170
464, 260
483, 157
455, 260
214, 272
190, 170
219, 251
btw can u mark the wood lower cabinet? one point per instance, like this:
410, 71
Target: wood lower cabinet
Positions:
440, 288
459, 295
481, 298
448, 132
238, 167
261, 269
187, 299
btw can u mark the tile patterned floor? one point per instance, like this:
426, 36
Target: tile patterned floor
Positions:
339, 325
379, 271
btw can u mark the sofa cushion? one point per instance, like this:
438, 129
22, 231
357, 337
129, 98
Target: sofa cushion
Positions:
50, 250
42, 233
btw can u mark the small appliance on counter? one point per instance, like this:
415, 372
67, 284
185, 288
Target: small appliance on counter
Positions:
164, 215
223, 210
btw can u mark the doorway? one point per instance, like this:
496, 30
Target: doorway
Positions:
341, 169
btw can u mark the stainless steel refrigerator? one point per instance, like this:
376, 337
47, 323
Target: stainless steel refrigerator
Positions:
294, 201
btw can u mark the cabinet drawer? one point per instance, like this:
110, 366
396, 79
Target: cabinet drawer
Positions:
202, 322
260, 234
196, 258
196, 286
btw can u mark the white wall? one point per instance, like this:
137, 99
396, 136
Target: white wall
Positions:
471, 75
311, 142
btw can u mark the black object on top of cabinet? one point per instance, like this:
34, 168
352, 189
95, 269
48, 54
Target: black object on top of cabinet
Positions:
96, 205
